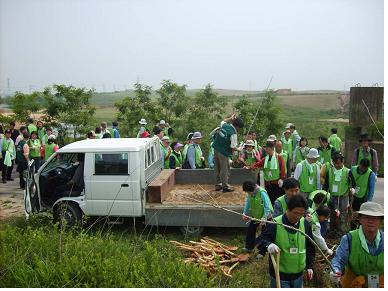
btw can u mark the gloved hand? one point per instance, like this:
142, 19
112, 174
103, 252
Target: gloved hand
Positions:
262, 223
245, 217
273, 249
329, 252
335, 277
352, 191
310, 274
280, 183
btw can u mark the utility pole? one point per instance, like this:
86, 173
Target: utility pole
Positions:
8, 87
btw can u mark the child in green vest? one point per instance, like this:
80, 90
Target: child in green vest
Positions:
296, 251
51, 147
257, 205
176, 156
319, 217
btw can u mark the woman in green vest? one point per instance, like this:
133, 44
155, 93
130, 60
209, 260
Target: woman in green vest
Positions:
296, 251
166, 150
50, 148
176, 155
257, 205
334, 140
339, 182
301, 151
288, 148
361, 252
325, 150
249, 156
35, 145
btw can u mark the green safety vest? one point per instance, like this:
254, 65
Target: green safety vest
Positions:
312, 195
342, 186
31, 127
41, 133
306, 177
165, 151
284, 154
362, 182
250, 157
315, 221
221, 141
360, 261
34, 148
198, 155
291, 263
49, 150
271, 175
287, 146
184, 152
178, 159
362, 156
19, 151
335, 141
325, 154
293, 138
301, 155
283, 203
257, 204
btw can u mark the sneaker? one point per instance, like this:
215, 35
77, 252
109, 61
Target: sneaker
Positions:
227, 189
259, 256
218, 187
245, 250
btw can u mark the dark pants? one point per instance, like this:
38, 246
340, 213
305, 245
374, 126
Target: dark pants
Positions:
274, 191
324, 227
251, 240
7, 171
356, 207
37, 163
21, 167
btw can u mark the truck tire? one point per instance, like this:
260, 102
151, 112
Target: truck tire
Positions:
68, 214
192, 231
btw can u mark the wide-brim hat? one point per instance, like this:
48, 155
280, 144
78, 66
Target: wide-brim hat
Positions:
162, 122
371, 209
196, 135
287, 131
363, 137
52, 136
178, 145
272, 138
143, 121
166, 138
249, 143
288, 125
313, 154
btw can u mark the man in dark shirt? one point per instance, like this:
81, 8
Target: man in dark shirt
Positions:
14, 132
296, 251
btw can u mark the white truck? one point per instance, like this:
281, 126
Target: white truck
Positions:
118, 174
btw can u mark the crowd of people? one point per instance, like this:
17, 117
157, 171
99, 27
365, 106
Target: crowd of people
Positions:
305, 189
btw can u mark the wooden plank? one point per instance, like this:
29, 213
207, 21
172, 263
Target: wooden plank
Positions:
159, 188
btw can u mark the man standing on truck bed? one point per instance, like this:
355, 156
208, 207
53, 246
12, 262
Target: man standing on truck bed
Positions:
225, 143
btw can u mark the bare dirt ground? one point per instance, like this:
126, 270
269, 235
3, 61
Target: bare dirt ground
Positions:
11, 198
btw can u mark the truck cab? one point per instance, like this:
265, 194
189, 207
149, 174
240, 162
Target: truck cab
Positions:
116, 173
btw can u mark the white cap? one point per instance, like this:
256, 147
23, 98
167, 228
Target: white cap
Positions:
143, 121
289, 125
165, 138
51, 136
313, 154
272, 137
162, 122
249, 142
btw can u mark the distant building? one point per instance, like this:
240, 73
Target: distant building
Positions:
283, 91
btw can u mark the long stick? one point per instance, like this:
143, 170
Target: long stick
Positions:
266, 221
276, 268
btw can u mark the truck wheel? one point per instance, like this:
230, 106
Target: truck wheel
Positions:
67, 214
191, 230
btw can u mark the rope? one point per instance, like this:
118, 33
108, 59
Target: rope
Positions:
370, 115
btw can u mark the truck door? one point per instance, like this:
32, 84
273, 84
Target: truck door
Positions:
31, 196
113, 191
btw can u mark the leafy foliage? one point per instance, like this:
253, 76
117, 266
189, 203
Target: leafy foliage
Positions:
23, 105
173, 100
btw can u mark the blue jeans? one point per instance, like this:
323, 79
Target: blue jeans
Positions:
298, 283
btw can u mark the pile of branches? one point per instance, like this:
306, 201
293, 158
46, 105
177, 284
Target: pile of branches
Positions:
212, 255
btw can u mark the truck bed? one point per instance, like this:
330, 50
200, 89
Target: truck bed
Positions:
177, 209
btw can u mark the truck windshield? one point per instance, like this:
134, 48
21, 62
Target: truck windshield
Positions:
59, 160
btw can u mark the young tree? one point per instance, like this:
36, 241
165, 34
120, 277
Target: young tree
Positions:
173, 100
69, 107
23, 105
132, 109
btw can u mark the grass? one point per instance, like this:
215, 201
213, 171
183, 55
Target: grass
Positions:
38, 254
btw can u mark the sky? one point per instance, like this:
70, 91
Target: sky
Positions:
111, 44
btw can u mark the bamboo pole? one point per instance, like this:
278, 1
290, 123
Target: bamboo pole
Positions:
263, 220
